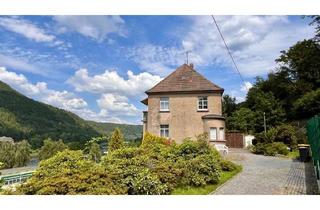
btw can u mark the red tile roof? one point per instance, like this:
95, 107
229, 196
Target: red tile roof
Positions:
185, 79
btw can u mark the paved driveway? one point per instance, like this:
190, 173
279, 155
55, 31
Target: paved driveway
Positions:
264, 175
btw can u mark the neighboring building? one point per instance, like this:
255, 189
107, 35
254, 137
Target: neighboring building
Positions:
185, 104
6, 139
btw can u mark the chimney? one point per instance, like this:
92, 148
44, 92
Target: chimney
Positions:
191, 65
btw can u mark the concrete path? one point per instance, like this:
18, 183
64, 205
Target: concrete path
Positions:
264, 175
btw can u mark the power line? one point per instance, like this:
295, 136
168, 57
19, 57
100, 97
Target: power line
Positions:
229, 52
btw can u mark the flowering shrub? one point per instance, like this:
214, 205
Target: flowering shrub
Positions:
154, 168
68, 172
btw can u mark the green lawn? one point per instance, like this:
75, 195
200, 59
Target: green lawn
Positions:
205, 190
293, 154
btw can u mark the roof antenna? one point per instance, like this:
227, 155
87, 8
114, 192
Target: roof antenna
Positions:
187, 56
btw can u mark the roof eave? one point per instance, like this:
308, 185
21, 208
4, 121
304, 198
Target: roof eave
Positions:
184, 92
145, 101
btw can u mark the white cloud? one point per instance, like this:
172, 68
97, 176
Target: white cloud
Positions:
117, 105
19, 63
255, 42
113, 108
246, 86
96, 27
155, 58
26, 29
112, 82
40, 91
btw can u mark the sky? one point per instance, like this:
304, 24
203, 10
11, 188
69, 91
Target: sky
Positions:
99, 67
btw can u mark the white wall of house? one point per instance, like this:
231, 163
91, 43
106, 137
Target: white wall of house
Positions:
248, 140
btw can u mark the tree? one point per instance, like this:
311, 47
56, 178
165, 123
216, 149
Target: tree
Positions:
262, 102
22, 154
7, 154
243, 120
308, 105
50, 148
95, 152
316, 21
229, 105
15, 154
116, 140
302, 62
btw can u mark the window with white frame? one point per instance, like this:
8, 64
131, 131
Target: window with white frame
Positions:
213, 134
164, 131
221, 133
164, 104
202, 103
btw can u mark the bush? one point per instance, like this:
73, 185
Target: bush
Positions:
50, 148
267, 137
155, 168
190, 149
201, 170
193, 163
227, 165
150, 140
288, 135
270, 149
134, 169
301, 134
259, 148
254, 141
147, 183
168, 173
68, 172
276, 148
285, 133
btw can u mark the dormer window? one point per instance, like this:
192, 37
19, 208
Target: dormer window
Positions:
164, 104
202, 103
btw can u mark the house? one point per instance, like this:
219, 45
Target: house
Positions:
185, 104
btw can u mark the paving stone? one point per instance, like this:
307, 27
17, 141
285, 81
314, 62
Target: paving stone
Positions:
265, 175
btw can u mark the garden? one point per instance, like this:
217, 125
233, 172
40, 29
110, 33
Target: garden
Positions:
156, 167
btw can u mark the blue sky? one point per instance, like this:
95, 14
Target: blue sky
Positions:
99, 66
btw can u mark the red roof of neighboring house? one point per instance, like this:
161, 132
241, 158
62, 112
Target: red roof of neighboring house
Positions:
185, 79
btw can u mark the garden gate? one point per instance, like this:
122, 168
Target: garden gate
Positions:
234, 139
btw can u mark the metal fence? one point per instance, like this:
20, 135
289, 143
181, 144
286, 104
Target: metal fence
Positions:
15, 178
313, 131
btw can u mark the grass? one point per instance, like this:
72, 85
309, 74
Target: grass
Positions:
205, 190
293, 154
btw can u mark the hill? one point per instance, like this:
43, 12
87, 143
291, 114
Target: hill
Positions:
130, 132
25, 118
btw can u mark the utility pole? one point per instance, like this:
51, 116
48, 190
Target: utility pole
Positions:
264, 122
